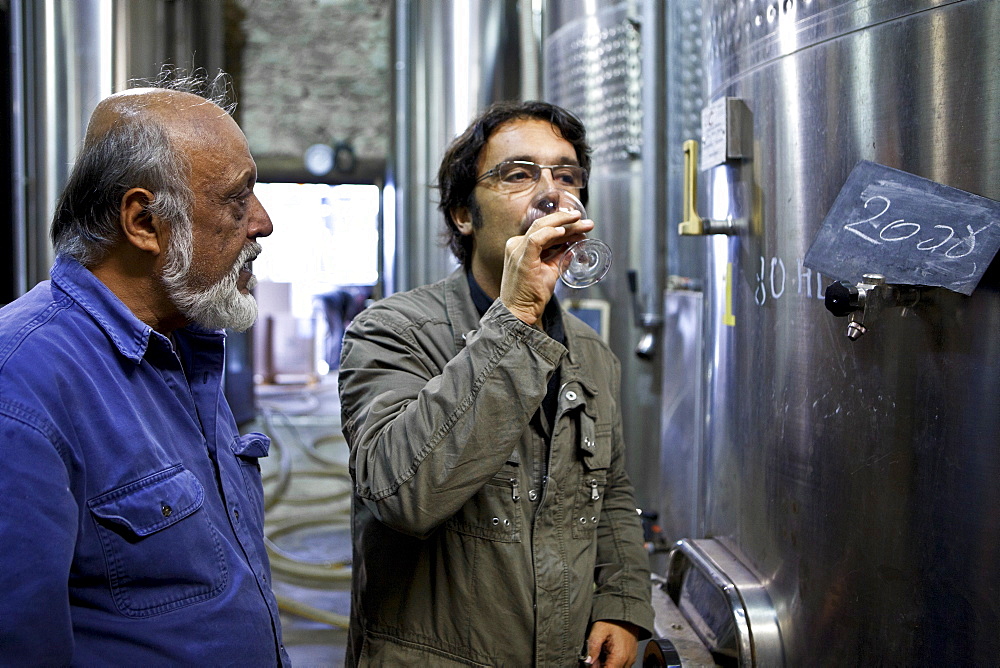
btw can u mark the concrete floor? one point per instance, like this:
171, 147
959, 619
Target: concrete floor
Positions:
307, 517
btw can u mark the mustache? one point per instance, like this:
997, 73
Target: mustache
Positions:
249, 253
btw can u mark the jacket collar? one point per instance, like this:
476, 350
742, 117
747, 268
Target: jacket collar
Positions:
464, 316
129, 335
461, 310
552, 319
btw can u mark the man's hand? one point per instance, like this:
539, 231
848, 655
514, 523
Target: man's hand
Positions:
531, 262
612, 644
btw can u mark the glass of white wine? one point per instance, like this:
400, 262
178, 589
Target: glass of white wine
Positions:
584, 262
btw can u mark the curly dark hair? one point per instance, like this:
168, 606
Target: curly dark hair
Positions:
458, 171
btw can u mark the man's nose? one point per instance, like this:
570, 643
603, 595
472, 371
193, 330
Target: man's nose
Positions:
547, 179
260, 222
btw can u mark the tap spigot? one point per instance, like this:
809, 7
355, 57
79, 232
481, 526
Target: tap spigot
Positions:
863, 302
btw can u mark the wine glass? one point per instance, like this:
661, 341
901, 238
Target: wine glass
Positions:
583, 263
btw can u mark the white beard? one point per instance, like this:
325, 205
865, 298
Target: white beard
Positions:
221, 306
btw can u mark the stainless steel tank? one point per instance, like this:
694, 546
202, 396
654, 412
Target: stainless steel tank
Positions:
453, 58
856, 480
594, 58
65, 56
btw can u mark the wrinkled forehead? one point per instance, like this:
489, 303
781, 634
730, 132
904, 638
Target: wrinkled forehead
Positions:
530, 139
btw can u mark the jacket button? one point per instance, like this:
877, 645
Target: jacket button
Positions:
571, 396
496, 521
166, 510
583, 520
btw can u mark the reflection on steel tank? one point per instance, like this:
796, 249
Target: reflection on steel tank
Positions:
846, 487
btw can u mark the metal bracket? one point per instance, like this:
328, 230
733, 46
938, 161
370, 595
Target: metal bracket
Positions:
693, 224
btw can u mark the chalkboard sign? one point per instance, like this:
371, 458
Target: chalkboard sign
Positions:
911, 230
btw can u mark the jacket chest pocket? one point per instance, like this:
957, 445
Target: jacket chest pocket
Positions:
161, 549
594, 451
494, 512
248, 450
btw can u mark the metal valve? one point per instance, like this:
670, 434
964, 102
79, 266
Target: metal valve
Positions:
649, 322
842, 298
863, 302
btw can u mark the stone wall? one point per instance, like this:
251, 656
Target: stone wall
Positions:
311, 71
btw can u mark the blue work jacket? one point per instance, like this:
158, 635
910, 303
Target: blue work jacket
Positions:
131, 522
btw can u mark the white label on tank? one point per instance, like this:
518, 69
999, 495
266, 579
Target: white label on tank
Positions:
713, 134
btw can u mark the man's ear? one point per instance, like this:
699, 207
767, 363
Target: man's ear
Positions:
141, 228
462, 217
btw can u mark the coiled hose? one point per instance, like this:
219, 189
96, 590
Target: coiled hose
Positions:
301, 510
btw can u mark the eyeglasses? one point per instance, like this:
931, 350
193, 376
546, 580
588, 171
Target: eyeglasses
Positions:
521, 174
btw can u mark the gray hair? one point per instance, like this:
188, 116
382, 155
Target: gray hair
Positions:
135, 152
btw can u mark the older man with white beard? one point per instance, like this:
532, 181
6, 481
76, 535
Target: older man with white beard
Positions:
132, 521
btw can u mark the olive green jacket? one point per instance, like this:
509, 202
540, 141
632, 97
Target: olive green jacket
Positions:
475, 542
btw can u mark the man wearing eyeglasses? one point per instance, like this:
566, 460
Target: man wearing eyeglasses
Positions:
493, 521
